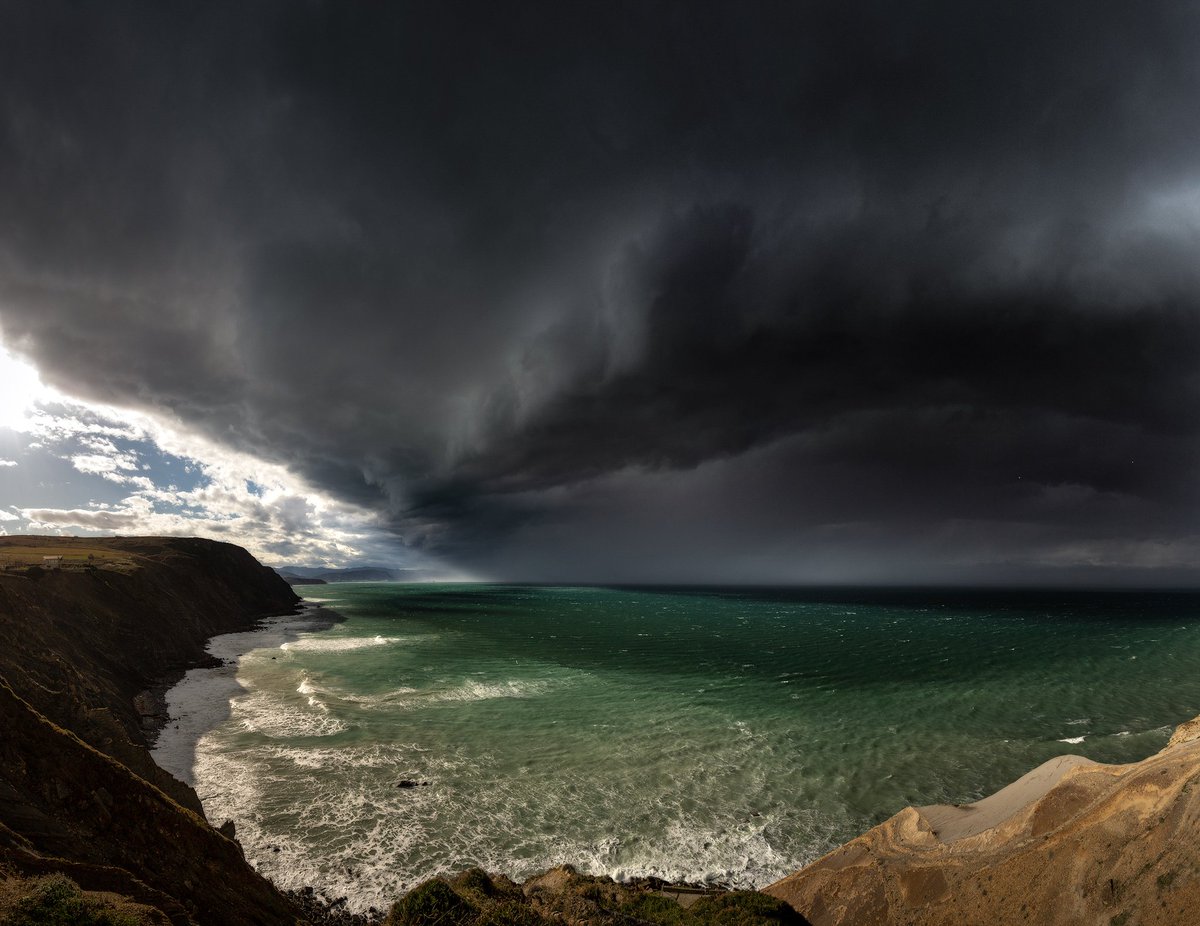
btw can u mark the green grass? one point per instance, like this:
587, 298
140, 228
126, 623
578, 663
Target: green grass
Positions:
434, 903
56, 900
743, 908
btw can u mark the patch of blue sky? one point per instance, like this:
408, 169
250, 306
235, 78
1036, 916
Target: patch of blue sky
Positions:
99, 444
164, 469
77, 459
42, 478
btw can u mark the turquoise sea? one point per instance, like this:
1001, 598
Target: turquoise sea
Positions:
693, 734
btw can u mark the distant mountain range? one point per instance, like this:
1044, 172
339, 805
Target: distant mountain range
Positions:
315, 575
292, 579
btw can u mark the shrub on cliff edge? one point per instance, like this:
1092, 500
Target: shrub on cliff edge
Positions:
434, 903
56, 900
744, 908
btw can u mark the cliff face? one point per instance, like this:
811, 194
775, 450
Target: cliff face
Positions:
1072, 842
78, 790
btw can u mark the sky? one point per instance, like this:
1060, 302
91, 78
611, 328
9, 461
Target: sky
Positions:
808, 292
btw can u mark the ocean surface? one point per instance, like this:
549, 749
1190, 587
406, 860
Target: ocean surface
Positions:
693, 734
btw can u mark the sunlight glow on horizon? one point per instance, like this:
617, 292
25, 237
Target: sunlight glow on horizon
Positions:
21, 388
281, 519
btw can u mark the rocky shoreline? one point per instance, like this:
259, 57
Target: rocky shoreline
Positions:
553, 898
182, 706
151, 703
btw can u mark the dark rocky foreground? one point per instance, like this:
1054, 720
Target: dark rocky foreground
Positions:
556, 897
93, 833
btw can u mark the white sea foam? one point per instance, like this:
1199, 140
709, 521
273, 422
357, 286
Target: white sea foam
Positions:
322, 644
485, 691
399, 756
391, 839
202, 699
268, 715
699, 814
407, 697
377, 699
1073, 740
470, 690
307, 689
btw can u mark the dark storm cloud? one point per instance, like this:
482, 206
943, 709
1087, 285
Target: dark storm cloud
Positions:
758, 291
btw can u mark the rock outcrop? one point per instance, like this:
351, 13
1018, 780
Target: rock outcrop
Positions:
1073, 842
563, 897
79, 793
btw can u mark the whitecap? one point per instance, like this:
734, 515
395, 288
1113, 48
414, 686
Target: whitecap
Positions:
485, 691
1073, 740
326, 644
374, 700
271, 717
364, 756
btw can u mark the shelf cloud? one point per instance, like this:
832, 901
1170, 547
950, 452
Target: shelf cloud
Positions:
638, 292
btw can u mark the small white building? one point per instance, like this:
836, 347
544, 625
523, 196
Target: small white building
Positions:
51, 562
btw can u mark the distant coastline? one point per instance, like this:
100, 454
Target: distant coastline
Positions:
300, 580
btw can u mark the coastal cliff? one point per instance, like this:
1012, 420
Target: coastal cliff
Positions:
1072, 842
88, 625
81, 638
